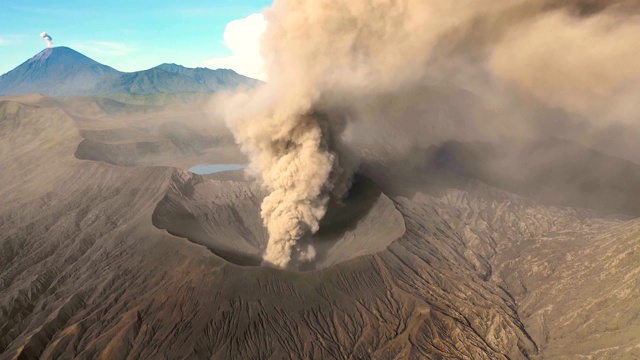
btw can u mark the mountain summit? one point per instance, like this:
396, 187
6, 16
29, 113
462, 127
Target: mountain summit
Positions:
56, 71
172, 78
61, 71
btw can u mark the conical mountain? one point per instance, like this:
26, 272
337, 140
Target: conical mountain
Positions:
56, 71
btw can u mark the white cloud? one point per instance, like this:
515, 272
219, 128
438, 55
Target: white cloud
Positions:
104, 47
242, 37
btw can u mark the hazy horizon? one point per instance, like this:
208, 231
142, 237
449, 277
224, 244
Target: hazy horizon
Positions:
133, 36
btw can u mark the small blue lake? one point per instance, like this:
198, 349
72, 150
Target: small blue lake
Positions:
215, 168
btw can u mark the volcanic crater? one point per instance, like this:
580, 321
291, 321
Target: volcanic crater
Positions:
224, 216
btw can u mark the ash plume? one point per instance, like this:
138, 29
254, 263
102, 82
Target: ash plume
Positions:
290, 151
47, 38
348, 79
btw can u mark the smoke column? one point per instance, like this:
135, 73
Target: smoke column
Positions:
290, 151
47, 38
340, 70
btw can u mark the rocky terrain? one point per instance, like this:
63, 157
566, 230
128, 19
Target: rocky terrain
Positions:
110, 249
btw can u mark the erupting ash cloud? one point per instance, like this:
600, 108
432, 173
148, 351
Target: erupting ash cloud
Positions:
381, 73
290, 147
47, 38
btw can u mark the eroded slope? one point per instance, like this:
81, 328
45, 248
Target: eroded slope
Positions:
470, 271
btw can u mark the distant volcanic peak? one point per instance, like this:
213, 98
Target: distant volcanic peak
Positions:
55, 71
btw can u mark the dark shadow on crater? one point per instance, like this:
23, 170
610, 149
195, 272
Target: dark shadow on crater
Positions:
339, 219
343, 217
183, 215
185, 225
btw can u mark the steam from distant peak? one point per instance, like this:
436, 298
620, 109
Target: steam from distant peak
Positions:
47, 38
393, 75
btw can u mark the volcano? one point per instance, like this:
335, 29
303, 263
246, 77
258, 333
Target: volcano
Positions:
56, 71
62, 71
493, 209
109, 247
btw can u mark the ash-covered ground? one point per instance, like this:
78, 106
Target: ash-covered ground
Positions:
110, 249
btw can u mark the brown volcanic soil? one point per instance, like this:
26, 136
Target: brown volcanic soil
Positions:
87, 269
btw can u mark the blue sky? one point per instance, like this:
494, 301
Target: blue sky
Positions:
128, 35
